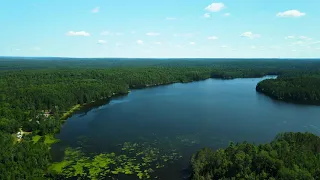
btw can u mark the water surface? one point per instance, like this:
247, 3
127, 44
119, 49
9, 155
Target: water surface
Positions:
186, 117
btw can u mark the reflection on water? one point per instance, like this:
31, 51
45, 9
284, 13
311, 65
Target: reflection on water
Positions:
313, 129
117, 102
179, 117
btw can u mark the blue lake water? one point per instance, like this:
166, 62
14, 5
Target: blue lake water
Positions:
185, 117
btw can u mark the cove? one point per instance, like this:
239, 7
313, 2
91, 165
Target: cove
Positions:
174, 121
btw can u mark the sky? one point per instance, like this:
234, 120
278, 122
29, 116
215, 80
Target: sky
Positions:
160, 29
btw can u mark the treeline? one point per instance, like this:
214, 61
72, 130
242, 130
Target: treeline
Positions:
27, 63
24, 94
303, 89
289, 156
33, 89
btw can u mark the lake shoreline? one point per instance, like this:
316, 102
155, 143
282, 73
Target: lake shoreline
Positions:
89, 106
106, 120
106, 100
261, 90
311, 103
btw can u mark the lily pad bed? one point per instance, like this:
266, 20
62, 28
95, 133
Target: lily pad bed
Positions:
134, 159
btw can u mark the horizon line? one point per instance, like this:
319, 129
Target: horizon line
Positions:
160, 57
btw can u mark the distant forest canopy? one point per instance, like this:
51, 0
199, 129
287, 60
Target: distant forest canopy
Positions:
19, 63
288, 156
32, 89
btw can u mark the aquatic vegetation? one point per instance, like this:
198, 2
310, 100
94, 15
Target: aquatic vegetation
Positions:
50, 139
59, 166
36, 138
159, 165
132, 158
139, 159
188, 140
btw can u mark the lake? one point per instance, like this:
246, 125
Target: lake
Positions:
172, 122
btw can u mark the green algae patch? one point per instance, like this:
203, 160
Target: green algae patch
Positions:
59, 166
134, 159
137, 159
49, 139
36, 138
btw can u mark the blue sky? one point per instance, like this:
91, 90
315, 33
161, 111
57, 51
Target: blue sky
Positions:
166, 28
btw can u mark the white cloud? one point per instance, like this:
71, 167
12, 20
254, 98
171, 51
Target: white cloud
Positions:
301, 38
171, 18
227, 14
158, 43
213, 38
192, 43
301, 41
101, 41
223, 46
298, 43
293, 50
305, 38
152, 34
250, 35
290, 37
291, 13
18, 49
77, 33
215, 7
318, 48
253, 47
95, 10
206, 15
140, 42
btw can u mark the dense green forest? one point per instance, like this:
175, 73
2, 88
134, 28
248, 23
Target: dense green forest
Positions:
24, 160
303, 89
288, 156
35, 94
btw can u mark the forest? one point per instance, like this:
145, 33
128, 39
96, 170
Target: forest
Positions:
288, 156
303, 89
36, 95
